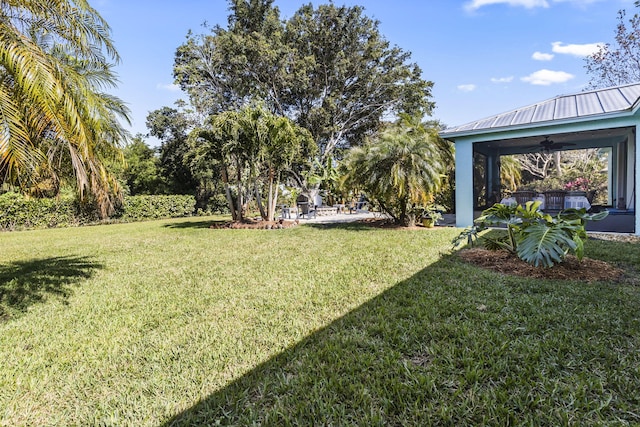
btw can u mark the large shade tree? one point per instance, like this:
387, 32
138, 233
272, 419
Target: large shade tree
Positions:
54, 113
328, 68
401, 169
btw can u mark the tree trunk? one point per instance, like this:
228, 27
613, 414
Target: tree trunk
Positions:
411, 220
556, 160
275, 198
227, 192
271, 199
256, 189
240, 192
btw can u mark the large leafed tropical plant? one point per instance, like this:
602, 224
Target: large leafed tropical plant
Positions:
533, 236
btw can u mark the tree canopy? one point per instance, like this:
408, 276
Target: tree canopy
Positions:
172, 126
328, 68
54, 65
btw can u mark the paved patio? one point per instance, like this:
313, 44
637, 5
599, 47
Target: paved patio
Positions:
340, 218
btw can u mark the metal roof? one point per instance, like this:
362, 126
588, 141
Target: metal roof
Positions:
564, 107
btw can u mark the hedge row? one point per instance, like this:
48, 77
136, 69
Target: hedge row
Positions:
19, 212
138, 208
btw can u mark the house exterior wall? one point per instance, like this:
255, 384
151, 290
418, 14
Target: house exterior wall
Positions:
464, 182
636, 175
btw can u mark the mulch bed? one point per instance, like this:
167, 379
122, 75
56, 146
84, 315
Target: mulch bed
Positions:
253, 224
587, 270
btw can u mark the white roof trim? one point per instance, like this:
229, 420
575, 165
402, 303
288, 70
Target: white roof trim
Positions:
577, 107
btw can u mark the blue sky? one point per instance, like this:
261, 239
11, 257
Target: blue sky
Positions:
484, 56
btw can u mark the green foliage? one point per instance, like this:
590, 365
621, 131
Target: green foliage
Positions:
55, 64
216, 204
327, 68
563, 170
253, 151
20, 212
510, 173
141, 172
400, 170
547, 244
171, 126
535, 237
138, 208
431, 211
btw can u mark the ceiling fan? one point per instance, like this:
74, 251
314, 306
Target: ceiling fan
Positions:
548, 145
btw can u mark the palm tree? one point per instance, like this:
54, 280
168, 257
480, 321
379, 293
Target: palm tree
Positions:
253, 149
510, 173
53, 110
400, 169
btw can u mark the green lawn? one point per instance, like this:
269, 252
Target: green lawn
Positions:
173, 323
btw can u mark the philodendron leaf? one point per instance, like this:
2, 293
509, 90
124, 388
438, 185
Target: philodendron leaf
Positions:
544, 244
579, 249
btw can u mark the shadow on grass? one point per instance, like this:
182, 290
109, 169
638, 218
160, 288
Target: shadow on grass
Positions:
451, 345
195, 224
24, 283
350, 226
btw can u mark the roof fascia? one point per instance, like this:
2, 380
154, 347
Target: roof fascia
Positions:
600, 121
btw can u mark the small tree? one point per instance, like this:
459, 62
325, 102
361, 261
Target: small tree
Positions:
141, 171
253, 149
400, 169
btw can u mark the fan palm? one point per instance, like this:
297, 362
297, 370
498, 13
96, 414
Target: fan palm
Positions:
402, 168
53, 110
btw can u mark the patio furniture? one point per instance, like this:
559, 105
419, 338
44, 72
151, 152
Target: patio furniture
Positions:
554, 201
305, 209
287, 211
357, 206
576, 202
524, 196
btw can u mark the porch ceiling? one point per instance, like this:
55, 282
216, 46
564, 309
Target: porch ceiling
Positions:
587, 139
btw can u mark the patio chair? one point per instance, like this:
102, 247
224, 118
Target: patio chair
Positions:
305, 209
524, 196
554, 201
357, 206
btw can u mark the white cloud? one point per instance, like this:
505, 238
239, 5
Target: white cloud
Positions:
473, 5
547, 77
170, 87
467, 88
502, 79
581, 50
539, 56
578, 2
529, 4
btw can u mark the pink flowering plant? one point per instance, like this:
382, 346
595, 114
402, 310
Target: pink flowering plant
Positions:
579, 184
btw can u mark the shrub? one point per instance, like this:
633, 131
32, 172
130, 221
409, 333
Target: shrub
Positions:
137, 208
20, 212
17, 211
535, 237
